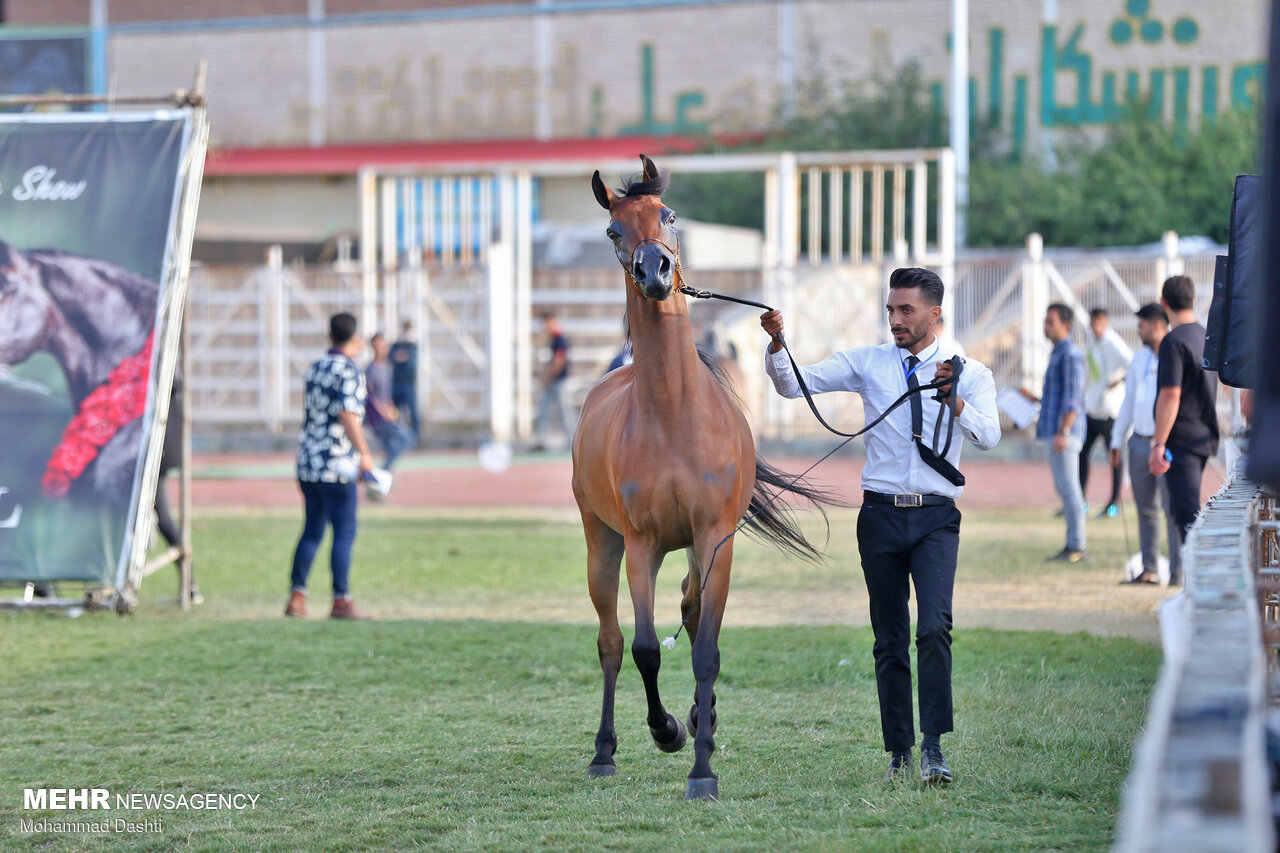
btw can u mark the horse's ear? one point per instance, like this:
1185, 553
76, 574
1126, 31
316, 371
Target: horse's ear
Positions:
650, 170
603, 194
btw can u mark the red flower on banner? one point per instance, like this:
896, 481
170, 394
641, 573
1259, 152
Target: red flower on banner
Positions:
114, 403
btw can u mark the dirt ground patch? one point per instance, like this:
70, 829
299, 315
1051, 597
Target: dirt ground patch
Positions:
539, 486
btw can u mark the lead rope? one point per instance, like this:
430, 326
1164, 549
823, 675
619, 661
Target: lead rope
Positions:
670, 642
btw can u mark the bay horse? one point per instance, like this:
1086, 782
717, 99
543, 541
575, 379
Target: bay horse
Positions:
663, 459
90, 315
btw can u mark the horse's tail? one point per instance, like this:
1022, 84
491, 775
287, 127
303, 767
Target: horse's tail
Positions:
768, 519
773, 522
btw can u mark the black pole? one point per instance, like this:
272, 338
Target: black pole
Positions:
1264, 449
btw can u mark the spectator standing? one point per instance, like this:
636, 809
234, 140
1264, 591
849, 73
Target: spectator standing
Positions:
170, 460
332, 455
1186, 405
1062, 426
552, 381
1107, 359
404, 379
908, 526
381, 413
1137, 414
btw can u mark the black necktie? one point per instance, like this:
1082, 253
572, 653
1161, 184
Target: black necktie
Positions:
932, 459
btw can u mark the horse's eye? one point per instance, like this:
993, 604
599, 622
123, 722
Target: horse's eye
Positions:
612, 234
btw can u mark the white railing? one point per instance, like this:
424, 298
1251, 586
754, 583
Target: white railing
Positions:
254, 330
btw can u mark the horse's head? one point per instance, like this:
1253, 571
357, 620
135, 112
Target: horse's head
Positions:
25, 307
643, 231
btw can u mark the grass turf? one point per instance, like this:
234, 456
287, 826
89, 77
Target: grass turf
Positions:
468, 735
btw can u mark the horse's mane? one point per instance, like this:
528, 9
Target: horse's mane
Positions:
638, 186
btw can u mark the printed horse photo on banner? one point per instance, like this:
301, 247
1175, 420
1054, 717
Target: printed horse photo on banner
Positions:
95, 319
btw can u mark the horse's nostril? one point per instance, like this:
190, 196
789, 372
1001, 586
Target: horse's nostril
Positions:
664, 265
639, 272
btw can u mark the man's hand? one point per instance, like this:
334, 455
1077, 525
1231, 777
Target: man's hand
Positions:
1156, 463
943, 373
771, 322
1059, 443
1114, 455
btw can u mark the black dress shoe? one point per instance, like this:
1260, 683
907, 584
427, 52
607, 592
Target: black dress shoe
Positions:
933, 767
899, 767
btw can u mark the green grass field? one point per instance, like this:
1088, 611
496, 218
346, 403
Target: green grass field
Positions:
463, 718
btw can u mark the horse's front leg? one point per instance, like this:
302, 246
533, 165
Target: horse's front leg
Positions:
703, 784
643, 561
604, 559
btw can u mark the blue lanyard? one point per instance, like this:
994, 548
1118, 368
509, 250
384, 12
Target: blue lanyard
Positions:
907, 373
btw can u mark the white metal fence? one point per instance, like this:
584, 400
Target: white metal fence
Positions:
254, 330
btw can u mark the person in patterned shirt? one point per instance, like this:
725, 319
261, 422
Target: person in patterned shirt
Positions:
332, 457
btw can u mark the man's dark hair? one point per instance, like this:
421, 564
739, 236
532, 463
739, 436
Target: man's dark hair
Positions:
1095, 313
342, 328
1179, 292
1065, 315
930, 285
1153, 311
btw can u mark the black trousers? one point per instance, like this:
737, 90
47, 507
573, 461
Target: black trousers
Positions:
1183, 477
901, 546
1098, 428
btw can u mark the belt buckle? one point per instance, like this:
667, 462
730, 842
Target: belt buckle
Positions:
908, 500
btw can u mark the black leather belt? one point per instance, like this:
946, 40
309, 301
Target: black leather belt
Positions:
906, 500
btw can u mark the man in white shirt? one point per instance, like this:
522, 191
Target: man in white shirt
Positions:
1137, 413
908, 527
1107, 359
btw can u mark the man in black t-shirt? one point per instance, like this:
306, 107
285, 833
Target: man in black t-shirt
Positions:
552, 380
1186, 405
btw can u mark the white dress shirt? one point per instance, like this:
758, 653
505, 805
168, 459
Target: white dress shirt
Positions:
1138, 411
879, 374
1106, 360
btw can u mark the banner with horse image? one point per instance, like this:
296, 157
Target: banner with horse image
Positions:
87, 210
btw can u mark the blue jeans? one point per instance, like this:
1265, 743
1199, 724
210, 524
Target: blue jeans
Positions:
394, 438
552, 401
326, 504
405, 397
1066, 479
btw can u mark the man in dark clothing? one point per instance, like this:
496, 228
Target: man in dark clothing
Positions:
1186, 405
381, 414
552, 379
170, 460
404, 379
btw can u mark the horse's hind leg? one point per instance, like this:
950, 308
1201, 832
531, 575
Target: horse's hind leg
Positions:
642, 571
703, 784
691, 612
604, 558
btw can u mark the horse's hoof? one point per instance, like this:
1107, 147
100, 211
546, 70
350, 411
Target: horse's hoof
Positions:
597, 770
693, 720
702, 789
676, 743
